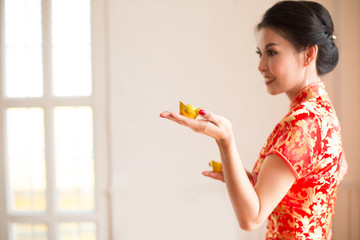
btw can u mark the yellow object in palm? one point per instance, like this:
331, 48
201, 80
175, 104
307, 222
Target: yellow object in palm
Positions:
188, 110
216, 166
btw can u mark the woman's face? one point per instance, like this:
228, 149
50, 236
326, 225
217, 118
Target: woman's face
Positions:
281, 65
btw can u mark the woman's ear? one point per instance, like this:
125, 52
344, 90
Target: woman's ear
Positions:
310, 54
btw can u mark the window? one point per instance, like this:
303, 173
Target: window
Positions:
53, 118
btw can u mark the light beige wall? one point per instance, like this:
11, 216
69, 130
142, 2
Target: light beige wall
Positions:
346, 87
201, 52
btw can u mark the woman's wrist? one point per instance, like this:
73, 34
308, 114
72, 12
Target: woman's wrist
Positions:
225, 141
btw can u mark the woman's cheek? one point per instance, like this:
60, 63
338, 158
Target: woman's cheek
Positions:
281, 68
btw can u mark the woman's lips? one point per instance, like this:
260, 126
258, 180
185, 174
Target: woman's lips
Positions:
268, 81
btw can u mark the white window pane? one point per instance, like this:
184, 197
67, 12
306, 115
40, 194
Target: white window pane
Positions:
26, 159
71, 48
23, 49
71, 71
23, 73
74, 161
24, 231
77, 231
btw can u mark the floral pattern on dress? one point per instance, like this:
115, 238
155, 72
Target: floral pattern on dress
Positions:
308, 139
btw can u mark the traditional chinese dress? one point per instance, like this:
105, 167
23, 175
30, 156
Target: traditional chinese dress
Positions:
308, 139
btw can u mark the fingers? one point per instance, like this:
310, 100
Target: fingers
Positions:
211, 125
209, 116
214, 175
175, 117
198, 125
164, 114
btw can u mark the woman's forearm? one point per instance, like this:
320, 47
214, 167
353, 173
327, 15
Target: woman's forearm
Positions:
241, 192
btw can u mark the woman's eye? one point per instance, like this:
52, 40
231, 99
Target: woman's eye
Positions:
258, 53
268, 52
271, 53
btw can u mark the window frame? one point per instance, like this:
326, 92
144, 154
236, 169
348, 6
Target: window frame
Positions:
98, 101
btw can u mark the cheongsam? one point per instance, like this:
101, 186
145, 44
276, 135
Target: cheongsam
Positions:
308, 139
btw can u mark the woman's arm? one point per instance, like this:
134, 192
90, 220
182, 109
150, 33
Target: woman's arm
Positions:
252, 204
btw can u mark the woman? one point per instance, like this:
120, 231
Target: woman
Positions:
294, 181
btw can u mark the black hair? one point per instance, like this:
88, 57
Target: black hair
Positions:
305, 24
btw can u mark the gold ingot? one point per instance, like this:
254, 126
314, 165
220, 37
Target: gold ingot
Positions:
216, 166
188, 110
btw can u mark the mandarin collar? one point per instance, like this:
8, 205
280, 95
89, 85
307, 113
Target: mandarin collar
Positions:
311, 91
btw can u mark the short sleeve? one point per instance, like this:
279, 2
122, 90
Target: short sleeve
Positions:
297, 140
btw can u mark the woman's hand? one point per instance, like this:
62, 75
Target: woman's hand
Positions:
211, 125
215, 175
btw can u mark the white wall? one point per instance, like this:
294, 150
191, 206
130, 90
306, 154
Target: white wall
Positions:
201, 52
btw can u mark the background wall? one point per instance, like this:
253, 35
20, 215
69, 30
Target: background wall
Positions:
203, 52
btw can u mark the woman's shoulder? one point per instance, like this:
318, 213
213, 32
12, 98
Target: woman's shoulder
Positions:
302, 112
310, 110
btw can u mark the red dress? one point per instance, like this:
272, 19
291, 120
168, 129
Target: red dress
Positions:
308, 139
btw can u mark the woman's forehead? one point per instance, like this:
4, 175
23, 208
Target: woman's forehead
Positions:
266, 37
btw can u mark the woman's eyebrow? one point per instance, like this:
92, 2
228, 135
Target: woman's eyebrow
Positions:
270, 45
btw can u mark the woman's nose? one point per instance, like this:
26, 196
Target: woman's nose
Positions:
262, 65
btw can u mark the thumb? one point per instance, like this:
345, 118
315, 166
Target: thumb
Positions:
209, 116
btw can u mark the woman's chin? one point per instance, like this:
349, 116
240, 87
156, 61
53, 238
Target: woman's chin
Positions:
272, 91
